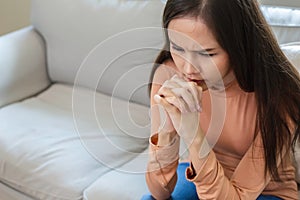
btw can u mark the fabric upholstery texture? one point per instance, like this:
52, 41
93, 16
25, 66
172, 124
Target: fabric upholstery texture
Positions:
113, 36
285, 22
129, 179
74, 142
22, 65
292, 51
43, 154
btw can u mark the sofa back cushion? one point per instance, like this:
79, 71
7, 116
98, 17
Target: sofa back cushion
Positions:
284, 21
107, 45
104, 45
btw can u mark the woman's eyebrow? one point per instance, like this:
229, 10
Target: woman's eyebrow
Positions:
197, 51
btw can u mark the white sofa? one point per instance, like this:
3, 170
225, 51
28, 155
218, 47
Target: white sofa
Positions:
74, 107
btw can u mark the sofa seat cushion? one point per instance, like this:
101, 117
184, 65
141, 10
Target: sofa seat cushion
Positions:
48, 151
129, 179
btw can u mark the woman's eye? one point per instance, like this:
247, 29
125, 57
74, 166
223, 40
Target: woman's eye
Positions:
207, 54
177, 49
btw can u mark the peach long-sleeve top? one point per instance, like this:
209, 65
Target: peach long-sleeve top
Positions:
234, 168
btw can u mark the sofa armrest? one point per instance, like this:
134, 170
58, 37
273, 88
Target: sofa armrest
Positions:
22, 65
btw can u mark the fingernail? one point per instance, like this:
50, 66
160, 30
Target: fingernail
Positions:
157, 98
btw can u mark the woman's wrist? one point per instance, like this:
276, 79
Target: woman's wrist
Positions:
166, 138
195, 145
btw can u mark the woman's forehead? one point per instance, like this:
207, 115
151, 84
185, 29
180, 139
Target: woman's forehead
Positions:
191, 32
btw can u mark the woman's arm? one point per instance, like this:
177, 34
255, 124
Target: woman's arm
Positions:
161, 174
207, 173
247, 182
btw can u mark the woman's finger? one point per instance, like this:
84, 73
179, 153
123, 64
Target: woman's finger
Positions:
165, 89
197, 94
179, 103
171, 109
200, 92
165, 92
191, 88
187, 97
170, 84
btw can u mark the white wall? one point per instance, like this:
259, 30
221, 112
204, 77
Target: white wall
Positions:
14, 14
293, 3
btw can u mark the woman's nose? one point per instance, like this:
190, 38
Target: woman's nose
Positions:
190, 68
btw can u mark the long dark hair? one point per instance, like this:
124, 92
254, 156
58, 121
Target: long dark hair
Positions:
258, 63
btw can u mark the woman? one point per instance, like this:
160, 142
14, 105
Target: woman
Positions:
251, 157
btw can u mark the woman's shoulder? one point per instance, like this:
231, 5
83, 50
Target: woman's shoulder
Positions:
164, 72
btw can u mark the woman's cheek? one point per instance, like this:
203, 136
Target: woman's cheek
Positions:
208, 69
178, 60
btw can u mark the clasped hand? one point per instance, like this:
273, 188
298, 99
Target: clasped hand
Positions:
182, 102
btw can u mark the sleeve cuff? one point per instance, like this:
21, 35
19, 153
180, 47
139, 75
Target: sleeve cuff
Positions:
201, 166
162, 156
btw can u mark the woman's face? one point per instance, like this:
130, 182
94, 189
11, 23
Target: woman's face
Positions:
197, 54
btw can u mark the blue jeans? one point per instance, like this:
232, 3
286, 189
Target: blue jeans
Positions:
186, 190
